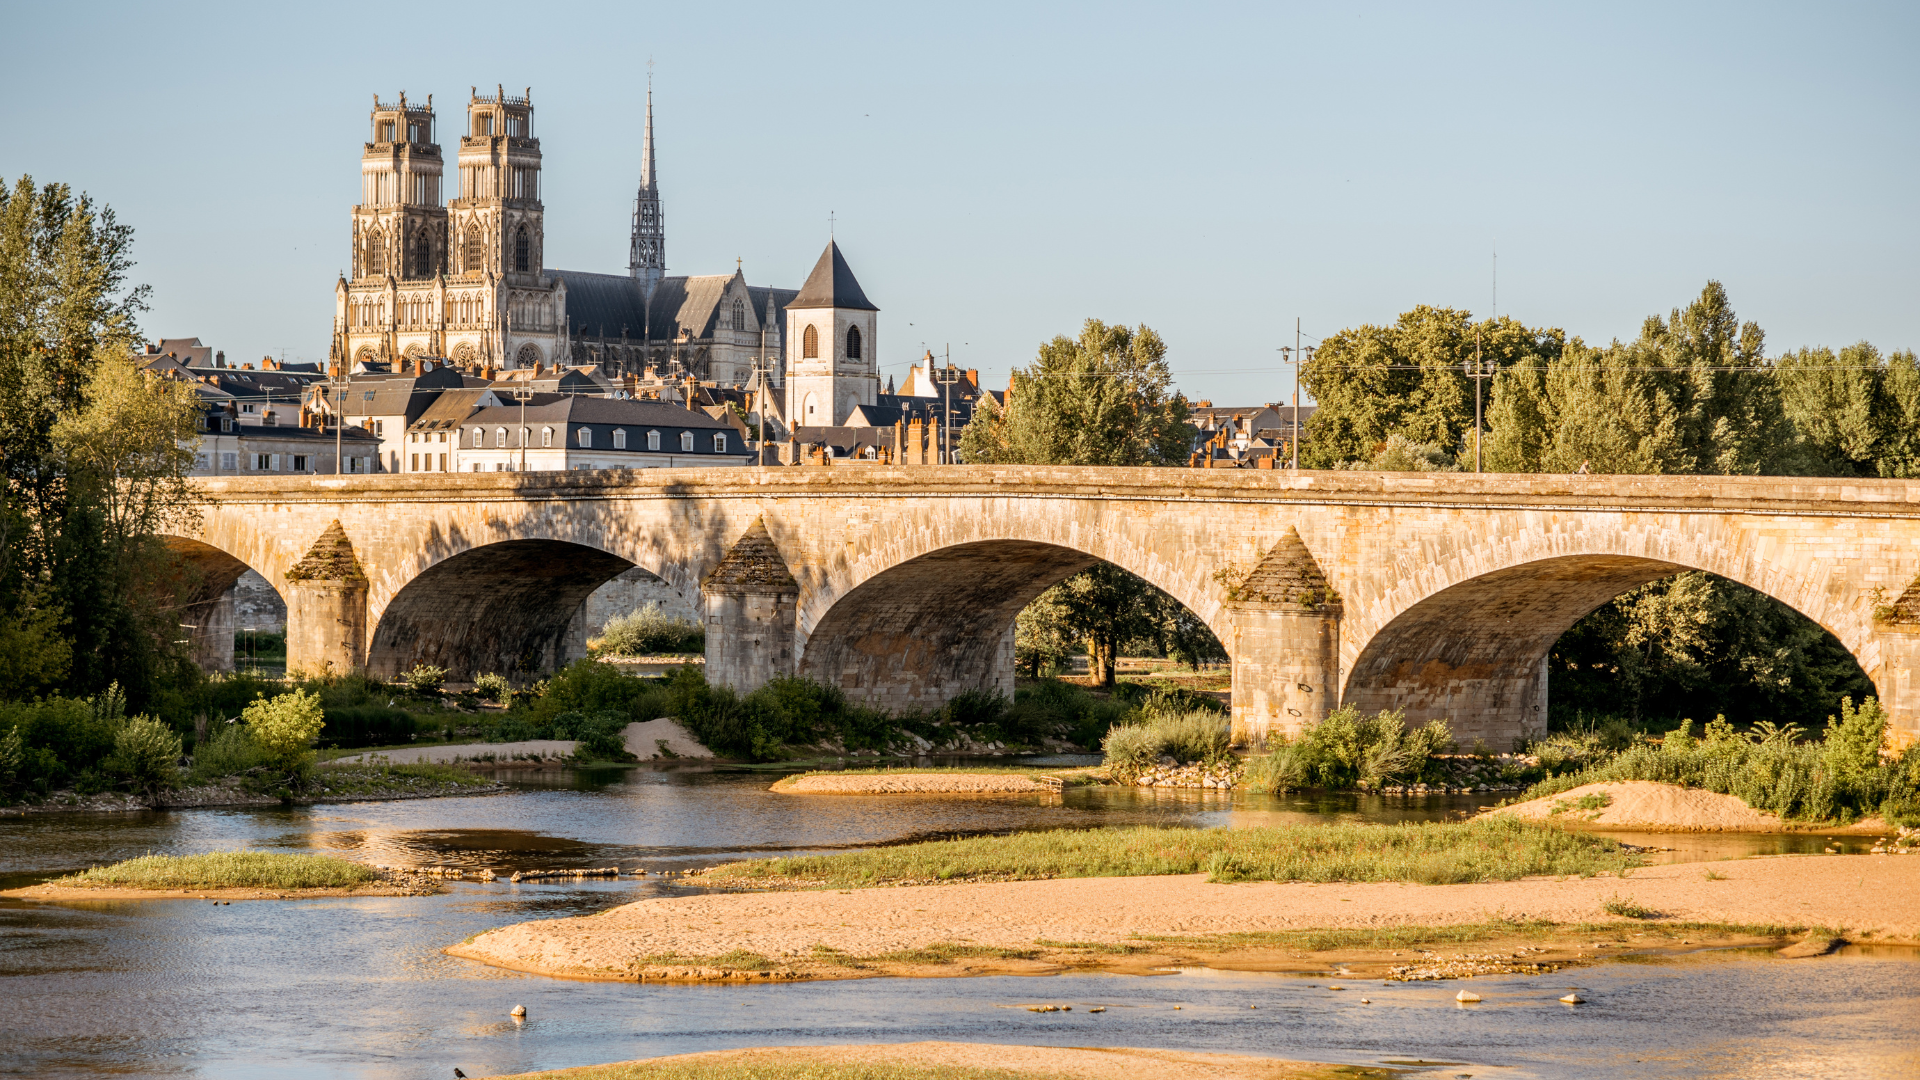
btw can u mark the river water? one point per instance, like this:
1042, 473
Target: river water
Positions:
359, 988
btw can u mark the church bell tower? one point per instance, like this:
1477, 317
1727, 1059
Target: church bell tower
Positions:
647, 260
832, 357
400, 226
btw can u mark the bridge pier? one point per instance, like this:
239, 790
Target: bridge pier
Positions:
1286, 667
327, 608
212, 633
1898, 680
751, 609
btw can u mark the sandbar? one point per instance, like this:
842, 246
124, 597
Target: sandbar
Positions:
911, 783
1078, 1063
1124, 922
116, 892
1647, 806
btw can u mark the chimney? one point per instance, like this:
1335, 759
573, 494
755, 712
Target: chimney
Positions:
973, 376
267, 364
1263, 463
1203, 403
220, 359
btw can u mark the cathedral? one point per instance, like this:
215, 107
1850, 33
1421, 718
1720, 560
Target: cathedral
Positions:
466, 280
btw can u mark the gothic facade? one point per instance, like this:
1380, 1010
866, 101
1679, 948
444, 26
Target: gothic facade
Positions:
466, 278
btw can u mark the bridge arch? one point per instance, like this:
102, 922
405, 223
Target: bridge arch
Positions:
912, 616
1466, 637
207, 611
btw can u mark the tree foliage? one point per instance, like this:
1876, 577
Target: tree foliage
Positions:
93, 455
285, 725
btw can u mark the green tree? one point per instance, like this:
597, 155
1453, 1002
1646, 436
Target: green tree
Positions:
1104, 398
285, 726
93, 453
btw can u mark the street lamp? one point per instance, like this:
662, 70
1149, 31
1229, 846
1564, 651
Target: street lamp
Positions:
1296, 355
1479, 371
946, 377
522, 394
338, 411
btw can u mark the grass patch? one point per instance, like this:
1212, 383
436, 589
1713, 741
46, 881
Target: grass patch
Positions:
1494, 849
228, 870
383, 779
1414, 937
1598, 800
1624, 907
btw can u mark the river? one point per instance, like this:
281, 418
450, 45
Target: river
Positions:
359, 988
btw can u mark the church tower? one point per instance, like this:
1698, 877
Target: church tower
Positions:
832, 346
503, 307
400, 227
647, 259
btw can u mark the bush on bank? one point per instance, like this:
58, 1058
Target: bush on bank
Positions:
1841, 776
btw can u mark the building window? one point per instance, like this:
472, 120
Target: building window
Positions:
853, 343
273, 462
522, 249
499, 436
227, 463
546, 436
585, 436
246, 407
526, 435
653, 440
415, 467
357, 464
199, 463
443, 436
299, 463
810, 344
413, 436
619, 438
379, 427
443, 463
422, 255
473, 250
739, 315
720, 443
226, 424
374, 259
479, 438
686, 441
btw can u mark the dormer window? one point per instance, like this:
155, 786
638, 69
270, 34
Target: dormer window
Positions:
546, 436
479, 438
720, 442
499, 436
619, 438
653, 440
686, 442
585, 437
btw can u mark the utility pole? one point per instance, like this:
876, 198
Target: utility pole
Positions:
521, 394
1296, 393
946, 377
340, 406
1479, 371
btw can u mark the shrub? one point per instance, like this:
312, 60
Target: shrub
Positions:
284, 727
492, 686
425, 678
59, 738
1198, 735
1347, 750
649, 631
598, 736
145, 755
231, 751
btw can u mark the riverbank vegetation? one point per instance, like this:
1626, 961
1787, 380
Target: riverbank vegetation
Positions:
1841, 776
1497, 849
228, 870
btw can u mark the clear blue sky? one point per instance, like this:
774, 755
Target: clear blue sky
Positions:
1002, 172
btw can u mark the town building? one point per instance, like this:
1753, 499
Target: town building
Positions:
1245, 436
556, 432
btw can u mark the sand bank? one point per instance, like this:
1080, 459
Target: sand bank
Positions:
907, 783
1050, 1061
1646, 806
642, 741
804, 934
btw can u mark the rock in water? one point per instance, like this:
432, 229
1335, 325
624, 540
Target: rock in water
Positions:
1574, 999
519, 1010
1466, 995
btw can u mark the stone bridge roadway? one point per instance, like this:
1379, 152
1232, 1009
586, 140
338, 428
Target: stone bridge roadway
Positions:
1436, 593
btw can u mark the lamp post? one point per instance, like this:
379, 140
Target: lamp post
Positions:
946, 377
522, 394
1296, 355
339, 410
1479, 371
761, 369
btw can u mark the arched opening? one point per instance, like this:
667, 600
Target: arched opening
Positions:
373, 258
853, 343
226, 602
522, 250
516, 608
422, 255
920, 633
1480, 654
810, 343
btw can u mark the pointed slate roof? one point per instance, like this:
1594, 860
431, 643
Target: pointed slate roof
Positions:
330, 559
1286, 574
831, 285
753, 566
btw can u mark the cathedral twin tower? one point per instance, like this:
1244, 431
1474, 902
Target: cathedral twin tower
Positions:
466, 280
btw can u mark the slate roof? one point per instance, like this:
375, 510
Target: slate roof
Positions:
607, 305
832, 285
603, 305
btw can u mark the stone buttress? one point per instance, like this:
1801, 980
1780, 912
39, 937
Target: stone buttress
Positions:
752, 601
1285, 643
326, 598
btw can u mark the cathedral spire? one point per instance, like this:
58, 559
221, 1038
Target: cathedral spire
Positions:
647, 261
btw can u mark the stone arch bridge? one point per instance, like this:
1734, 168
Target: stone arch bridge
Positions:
1436, 593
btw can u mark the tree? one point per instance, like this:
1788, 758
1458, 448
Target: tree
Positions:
92, 453
1373, 382
1104, 398
286, 725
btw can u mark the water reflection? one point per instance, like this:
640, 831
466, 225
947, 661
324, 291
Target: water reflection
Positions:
360, 988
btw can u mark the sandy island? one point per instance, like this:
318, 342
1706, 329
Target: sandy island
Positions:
1051, 1061
1115, 922
117, 892
909, 783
